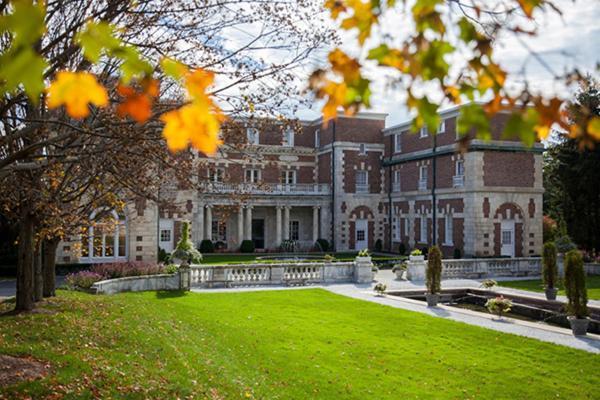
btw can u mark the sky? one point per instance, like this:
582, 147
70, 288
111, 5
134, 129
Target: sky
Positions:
563, 43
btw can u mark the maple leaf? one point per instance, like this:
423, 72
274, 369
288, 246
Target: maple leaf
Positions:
75, 90
138, 105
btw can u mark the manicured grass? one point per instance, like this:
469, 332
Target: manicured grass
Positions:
296, 344
536, 285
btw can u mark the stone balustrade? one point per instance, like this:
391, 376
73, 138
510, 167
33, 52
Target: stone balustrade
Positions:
478, 268
257, 274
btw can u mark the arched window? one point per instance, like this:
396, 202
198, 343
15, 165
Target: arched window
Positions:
106, 237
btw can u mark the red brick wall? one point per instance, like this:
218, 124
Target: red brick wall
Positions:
508, 169
456, 205
305, 175
324, 168
353, 159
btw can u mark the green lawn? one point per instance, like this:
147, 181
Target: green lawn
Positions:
299, 344
535, 285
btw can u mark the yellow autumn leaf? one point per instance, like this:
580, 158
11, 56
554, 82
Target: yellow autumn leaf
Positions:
76, 90
594, 128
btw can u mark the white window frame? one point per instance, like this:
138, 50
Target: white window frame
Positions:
165, 235
362, 186
252, 175
218, 231
423, 177
396, 221
215, 175
442, 127
288, 137
317, 138
423, 133
288, 176
362, 149
294, 229
459, 171
120, 227
423, 233
397, 143
252, 136
396, 187
448, 230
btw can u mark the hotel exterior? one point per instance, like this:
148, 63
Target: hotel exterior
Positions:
352, 182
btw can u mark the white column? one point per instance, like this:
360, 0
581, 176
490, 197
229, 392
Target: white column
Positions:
199, 228
278, 226
315, 225
208, 225
240, 225
286, 223
248, 231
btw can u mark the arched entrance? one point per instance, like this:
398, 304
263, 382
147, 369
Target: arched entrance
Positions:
508, 231
362, 228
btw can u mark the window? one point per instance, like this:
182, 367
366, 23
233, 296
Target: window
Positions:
423, 177
216, 174
362, 183
317, 138
219, 231
294, 230
396, 182
423, 221
106, 237
507, 237
165, 235
448, 230
360, 235
252, 135
442, 127
423, 132
460, 167
362, 149
288, 137
252, 175
397, 143
288, 177
396, 228
458, 180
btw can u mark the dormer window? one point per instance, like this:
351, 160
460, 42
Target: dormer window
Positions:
423, 132
252, 135
362, 149
442, 127
288, 137
397, 143
317, 139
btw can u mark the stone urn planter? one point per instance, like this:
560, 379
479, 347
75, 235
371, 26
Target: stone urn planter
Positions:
399, 271
363, 260
551, 293
417, 258
579, 326
432, 299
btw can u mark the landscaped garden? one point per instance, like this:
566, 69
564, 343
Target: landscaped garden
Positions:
279, 344
536, 285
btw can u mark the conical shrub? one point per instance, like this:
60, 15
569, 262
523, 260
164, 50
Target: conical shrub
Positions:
433, 274
575, 284
549, 268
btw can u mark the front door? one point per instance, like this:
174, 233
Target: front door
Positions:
362, 234
166, 235
258, 233
507, 238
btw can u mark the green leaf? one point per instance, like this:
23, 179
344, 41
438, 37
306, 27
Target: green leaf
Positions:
25, 67
522, 126
468, 33
26, 22
133, 65
427, 115
472, 116
173, 68
96, 37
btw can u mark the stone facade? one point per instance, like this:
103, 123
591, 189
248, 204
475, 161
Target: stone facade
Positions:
356, 184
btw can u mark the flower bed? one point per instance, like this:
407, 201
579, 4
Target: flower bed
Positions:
99, 272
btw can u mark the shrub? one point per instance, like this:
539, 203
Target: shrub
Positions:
425, 251
328, 257
401, 266
163, 256
378, 245
416, 252
549, 269
171, 269
247, 246
363, 253
220, 245
488, 283
83, 279
185, 249
433, 274
322, 245
457, 254
575, 284
564, 244
127, 268
549, 229
380, 288
207, 246
499, 305
402, 249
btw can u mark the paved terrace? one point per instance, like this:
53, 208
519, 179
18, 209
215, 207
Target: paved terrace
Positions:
540, 331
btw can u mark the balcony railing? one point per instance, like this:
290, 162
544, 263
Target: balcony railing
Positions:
458, 181
268, 188
362, 188
423, 184
396, 187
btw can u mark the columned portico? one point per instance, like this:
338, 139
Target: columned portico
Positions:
208, 225
198, 224
286, 223
277, 225
248, 225
315, 224
240, 225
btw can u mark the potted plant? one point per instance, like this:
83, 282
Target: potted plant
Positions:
499, 305
433, 276
549, 270
380, 289
399, 270
576, 293
363, 256
488, 284
416, 255
185, 252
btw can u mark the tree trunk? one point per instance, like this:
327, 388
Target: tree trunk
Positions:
38, 277
25, 264
50, 247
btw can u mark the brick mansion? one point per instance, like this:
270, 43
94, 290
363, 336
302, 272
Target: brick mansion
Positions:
355, 183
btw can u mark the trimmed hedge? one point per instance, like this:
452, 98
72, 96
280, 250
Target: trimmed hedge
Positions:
247, 246
207, 246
